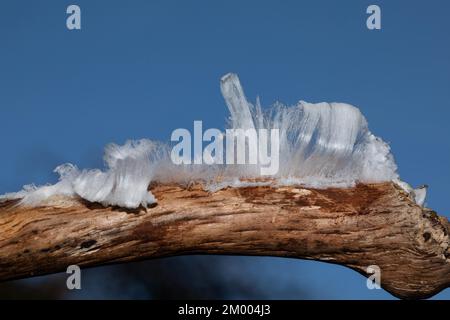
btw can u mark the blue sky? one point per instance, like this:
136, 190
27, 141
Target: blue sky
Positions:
143, 68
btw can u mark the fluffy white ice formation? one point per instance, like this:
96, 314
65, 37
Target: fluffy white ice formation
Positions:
32, 195
321, 145
130, 169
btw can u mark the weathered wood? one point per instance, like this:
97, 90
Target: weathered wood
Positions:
374, 224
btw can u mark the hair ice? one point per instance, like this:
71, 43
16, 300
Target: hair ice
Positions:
130, 169
320, 145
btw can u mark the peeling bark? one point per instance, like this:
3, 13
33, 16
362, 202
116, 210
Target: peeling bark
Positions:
370, 224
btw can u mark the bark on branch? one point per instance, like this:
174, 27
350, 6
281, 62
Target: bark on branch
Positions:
374, 224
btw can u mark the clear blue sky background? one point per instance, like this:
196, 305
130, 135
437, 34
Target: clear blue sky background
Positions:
143, 68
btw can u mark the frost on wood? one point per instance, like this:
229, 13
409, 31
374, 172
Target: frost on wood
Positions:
124, 183
321, 145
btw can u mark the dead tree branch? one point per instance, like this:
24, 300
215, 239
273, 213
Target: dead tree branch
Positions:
367, 225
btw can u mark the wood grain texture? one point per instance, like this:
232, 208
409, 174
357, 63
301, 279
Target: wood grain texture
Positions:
370, 224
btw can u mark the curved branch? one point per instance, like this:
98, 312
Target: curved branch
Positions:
374, 224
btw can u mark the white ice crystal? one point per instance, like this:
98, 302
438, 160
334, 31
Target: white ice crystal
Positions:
125, 183
320, 145
420, 195
130, 169
32, 195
